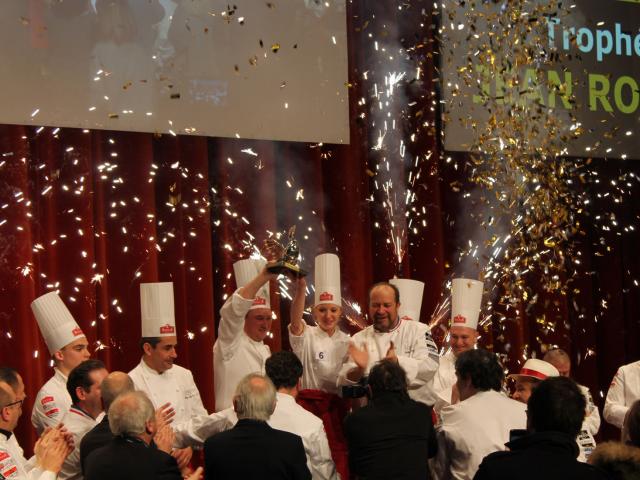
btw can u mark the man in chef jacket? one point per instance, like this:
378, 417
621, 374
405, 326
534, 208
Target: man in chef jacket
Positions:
54, 444
479, 424
405, 341
161, 379
466, 300
68, 347
623, 391
245, 321
83, 386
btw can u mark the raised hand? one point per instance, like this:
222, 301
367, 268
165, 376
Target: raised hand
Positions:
164, 415
164, 439
197, 475
183, 457
391, 353
359, 356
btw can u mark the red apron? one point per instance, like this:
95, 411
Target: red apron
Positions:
332, 410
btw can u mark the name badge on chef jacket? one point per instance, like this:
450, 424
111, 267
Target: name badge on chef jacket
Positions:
321, 356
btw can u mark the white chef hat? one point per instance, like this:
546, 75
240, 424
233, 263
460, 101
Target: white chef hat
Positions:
327, 280
57, 325
466, 299
410, 297
538, 369
245, 271
157, 312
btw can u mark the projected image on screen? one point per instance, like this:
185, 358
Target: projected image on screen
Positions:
252, 69
582, 70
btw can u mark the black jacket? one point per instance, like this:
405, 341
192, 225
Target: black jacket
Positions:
545, 455
254, 450
127, 458
392, 437
97, 437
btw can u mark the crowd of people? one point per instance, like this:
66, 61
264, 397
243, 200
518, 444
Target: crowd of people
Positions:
383, 404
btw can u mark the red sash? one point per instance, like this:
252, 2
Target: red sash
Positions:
331, 409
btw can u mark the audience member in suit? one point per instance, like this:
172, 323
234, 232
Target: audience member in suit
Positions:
113, 385
252, 449
393, 436
555, 412
130, 455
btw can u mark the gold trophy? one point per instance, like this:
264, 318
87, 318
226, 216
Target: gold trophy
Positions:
287, 256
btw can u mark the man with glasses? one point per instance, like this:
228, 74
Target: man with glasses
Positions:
50, 450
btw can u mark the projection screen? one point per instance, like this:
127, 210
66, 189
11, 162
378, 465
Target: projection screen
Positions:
258, 69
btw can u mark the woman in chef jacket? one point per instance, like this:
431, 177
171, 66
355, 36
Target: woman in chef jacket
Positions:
322, 350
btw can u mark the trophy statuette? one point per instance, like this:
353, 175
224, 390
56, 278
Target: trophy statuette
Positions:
287, 256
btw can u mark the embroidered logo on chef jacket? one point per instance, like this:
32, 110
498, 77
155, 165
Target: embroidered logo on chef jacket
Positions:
48, 403
190, 393
431, 345
8, 466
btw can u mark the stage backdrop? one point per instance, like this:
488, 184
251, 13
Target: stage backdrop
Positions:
94, 213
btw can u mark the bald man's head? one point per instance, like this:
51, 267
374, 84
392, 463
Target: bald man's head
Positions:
114, 384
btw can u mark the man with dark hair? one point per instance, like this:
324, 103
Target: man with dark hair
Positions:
392, 436
285, 370
83, 386
480, 423
113, 385
405, 341
68, 347
591, 424
554, 417
165, 382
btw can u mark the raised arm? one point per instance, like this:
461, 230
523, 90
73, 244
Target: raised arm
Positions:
296, 327
236, 307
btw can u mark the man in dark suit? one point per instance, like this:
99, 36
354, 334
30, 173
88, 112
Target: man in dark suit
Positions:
393, 436
113, 385
252, 449
130, 455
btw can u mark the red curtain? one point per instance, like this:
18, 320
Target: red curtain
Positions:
93, 214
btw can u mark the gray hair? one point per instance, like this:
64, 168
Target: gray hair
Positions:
255, 397
129, 414
113, 385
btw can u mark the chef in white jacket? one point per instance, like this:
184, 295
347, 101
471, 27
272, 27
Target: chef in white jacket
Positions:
623, 391
161, 379
85, 411
245, 320
50, 451
408, 342
322, 349
480, 422
466, 300
591, 423
68, 347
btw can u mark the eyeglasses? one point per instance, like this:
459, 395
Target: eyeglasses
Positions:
17, 402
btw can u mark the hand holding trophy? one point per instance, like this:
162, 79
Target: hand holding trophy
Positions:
286, 257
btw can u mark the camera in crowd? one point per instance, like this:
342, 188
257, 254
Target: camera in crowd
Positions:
359, 390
